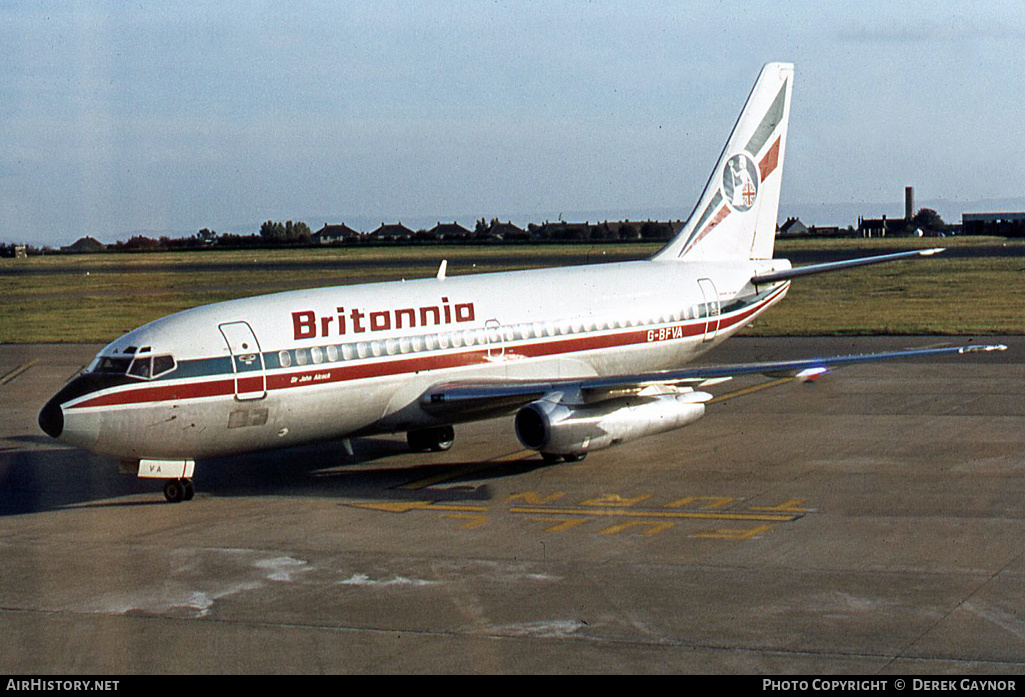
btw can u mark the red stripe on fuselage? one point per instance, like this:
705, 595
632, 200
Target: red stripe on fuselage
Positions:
327, 373
163, 393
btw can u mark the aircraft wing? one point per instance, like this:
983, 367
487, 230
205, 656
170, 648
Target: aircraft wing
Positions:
482, 398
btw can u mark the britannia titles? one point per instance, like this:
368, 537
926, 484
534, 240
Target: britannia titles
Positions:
308, 325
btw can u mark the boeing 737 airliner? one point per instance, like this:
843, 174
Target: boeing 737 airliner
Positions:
586, 357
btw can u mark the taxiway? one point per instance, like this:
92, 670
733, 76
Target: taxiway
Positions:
872, 522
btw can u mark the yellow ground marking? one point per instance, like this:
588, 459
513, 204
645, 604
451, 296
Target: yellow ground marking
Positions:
734, 534
652, 528
614, 500
750, 390
533, 498
789, 506
561, 523
407, 506
713, 501
472, 521
518, 455
11, 374
670, 515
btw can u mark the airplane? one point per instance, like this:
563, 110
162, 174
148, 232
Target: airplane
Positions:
586, 357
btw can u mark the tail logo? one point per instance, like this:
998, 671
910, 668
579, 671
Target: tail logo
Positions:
740, 182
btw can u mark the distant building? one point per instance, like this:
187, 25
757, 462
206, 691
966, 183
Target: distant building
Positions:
793, 227
654, 230
507, 231
625, 230
563, 231
334, 234
396, 231
999, 224
826, 231
881, 227
449, 231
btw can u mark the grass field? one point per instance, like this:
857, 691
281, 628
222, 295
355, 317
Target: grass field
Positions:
98, 297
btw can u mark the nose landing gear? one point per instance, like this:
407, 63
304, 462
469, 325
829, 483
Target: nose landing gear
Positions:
177, 475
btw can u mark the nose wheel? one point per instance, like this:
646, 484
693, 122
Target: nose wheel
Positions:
176, 490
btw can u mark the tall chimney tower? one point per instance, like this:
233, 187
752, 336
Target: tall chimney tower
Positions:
909, 202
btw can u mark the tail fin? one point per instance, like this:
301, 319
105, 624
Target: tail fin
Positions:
736, 215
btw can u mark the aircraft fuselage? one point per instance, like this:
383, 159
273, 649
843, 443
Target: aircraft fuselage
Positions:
302, 366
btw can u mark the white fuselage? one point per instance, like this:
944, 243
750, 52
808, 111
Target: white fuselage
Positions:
302, 366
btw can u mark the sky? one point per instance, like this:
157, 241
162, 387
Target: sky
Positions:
167, 117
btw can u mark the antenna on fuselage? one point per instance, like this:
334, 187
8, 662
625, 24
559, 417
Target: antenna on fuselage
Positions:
442, 269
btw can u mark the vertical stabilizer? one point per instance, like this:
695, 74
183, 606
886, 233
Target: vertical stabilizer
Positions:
736, 215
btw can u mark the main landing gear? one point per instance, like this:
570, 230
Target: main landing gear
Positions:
438, 439
552, 458
176, 490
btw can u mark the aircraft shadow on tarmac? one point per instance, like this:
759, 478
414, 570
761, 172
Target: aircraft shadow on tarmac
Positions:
33, 481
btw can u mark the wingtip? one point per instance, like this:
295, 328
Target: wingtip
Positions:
984, 348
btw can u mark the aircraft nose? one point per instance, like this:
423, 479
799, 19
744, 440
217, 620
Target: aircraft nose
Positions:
51, 418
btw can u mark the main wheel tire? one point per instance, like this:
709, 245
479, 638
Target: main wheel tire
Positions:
443, 438
438, 439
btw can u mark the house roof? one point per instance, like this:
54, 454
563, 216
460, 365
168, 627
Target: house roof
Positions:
392, 230
452, 229
339, 231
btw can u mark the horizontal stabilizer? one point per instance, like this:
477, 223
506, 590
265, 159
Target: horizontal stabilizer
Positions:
840, 265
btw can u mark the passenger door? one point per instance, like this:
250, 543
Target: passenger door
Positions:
246, 360
711, 308
496, 347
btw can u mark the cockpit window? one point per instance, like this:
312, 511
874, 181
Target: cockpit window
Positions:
113, 365
162, 364
143, 367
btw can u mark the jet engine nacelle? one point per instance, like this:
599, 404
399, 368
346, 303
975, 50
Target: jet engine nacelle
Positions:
554, 428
